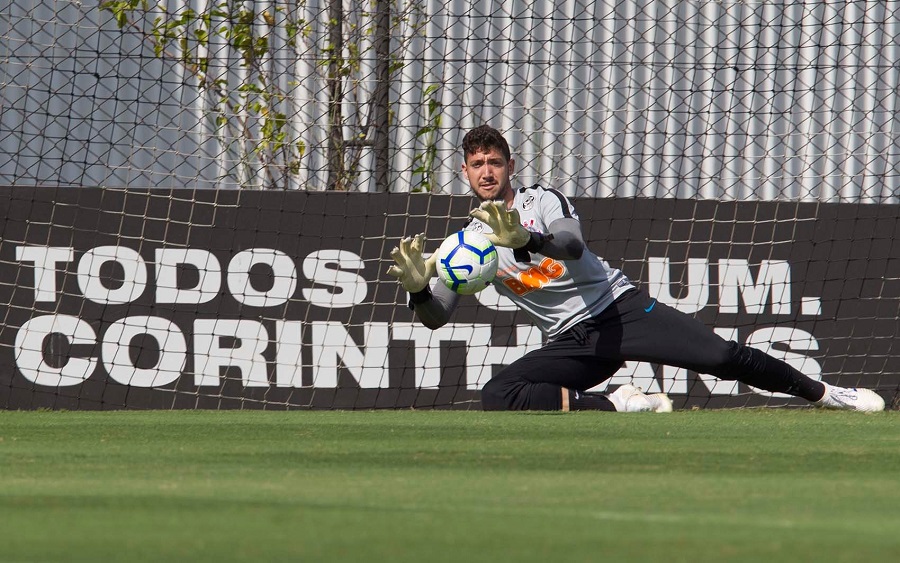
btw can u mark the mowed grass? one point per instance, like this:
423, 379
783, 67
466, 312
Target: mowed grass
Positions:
740, 485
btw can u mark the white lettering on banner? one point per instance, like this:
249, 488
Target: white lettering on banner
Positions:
328, 267
480, 354
735, 280
59, 350
209, 274
481, 358
94, 288
30, 350
794, 339
117, 359
45, 259
774, 278
323, 267
697, 283
489, 298
427, 344
240, 343
227, 343
213, 351
284, 276
289, 353
332, 347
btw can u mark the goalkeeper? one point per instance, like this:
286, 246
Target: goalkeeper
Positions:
592, 315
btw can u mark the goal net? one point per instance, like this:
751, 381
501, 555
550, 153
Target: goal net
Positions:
201, 197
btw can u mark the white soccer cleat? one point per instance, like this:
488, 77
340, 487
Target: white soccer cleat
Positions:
629, 398
851, 399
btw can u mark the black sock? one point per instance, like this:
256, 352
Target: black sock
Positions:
581, 401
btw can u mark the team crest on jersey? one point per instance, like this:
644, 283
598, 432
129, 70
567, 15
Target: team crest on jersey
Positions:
477, 227
528, 203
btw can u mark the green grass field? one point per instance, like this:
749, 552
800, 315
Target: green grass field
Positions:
783, 485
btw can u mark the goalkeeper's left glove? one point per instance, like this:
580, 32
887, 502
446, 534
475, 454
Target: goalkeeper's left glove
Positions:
412, 269
507, 227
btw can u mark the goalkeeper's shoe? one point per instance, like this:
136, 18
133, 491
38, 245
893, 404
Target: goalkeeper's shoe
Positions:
851, 399
629, 398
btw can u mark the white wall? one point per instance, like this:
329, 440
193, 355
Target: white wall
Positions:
654, 98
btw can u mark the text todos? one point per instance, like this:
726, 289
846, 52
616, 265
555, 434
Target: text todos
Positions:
241, 343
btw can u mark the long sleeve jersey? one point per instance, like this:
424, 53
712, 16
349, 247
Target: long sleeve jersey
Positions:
556, 293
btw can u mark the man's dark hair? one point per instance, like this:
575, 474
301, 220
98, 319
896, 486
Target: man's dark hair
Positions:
485, 138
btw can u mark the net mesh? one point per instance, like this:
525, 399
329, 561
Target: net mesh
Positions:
739, 159
715, 100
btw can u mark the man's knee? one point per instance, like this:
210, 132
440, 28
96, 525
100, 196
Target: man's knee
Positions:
494, 396
516, 394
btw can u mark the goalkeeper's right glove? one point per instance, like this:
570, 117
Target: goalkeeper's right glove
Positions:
505, 224
412, 269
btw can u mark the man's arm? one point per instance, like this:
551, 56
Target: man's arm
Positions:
563, 241
434, 305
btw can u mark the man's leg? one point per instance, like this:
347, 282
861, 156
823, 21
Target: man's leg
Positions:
547, 380
653, 332
556, 376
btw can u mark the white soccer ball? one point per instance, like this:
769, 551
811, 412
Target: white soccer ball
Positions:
467, 262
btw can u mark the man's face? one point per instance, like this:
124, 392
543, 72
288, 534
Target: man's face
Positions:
488, 173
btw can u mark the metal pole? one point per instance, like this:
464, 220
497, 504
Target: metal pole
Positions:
381, 97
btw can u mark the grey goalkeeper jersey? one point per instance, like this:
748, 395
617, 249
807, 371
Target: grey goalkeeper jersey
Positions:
556, 294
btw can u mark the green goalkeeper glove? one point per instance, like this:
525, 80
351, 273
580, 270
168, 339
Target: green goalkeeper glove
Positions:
412, 269
507, 227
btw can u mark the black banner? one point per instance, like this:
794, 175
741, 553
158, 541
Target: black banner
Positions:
247, 299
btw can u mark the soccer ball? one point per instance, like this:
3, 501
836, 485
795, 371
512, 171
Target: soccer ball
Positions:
467, 262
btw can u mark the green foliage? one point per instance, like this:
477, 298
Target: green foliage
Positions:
252, 109
249, 108
424, 163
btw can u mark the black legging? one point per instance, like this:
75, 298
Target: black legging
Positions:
637, 328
